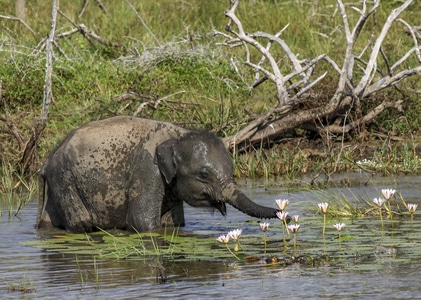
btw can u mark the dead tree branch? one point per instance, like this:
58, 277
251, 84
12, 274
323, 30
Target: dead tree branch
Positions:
371, 66
293, 86
85, 31
28, 153
12, 18
89, 35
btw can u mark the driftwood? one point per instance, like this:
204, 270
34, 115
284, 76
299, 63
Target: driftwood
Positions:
292, 87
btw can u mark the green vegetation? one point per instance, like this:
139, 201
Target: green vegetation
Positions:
164, 56
16, 194
361, 230
24, 286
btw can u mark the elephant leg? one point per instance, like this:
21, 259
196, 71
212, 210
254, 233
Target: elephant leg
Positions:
66, 210
78, 217
143, 213
174, 216
145, 196
45, 221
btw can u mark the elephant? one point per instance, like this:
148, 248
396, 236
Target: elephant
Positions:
133, 174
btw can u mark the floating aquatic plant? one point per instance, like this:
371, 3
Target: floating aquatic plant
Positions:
188, 246
282, 205
412, 208
234, 235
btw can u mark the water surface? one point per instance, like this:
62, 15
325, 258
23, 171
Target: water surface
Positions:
359, 268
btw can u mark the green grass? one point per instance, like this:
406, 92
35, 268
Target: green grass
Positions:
15, 190
194, 80
25, 286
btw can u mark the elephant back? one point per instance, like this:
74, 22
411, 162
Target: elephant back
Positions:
102, 140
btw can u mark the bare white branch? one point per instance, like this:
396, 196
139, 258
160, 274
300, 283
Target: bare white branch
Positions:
365, 80
276, 76
269, 44
48, 92
293, 58
308, 87
414, 37
292, 85
390, 81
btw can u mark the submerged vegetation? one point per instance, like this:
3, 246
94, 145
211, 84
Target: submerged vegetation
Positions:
25, 286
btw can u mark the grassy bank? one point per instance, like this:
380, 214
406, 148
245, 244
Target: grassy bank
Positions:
162, 53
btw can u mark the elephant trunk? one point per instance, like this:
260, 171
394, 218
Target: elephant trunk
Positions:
236, 198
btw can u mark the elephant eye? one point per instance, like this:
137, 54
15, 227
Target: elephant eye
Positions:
204, 174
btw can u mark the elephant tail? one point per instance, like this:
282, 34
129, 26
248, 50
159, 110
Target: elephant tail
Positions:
41, 200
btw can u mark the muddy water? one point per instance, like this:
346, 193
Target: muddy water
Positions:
371, 264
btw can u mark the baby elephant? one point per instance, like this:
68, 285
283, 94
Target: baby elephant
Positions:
134, 174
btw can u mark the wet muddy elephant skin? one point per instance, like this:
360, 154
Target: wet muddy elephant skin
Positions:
134, 174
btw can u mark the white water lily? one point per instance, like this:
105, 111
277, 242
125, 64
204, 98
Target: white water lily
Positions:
235, 234
412, 207
296, 217
282, 215
388, 193
224, 239
339, 226
264, 226
294, 228
282, 203
379, 201
323, 207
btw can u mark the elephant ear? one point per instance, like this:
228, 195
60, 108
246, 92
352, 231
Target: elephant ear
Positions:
164, 158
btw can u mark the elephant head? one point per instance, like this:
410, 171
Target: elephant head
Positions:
199, 171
